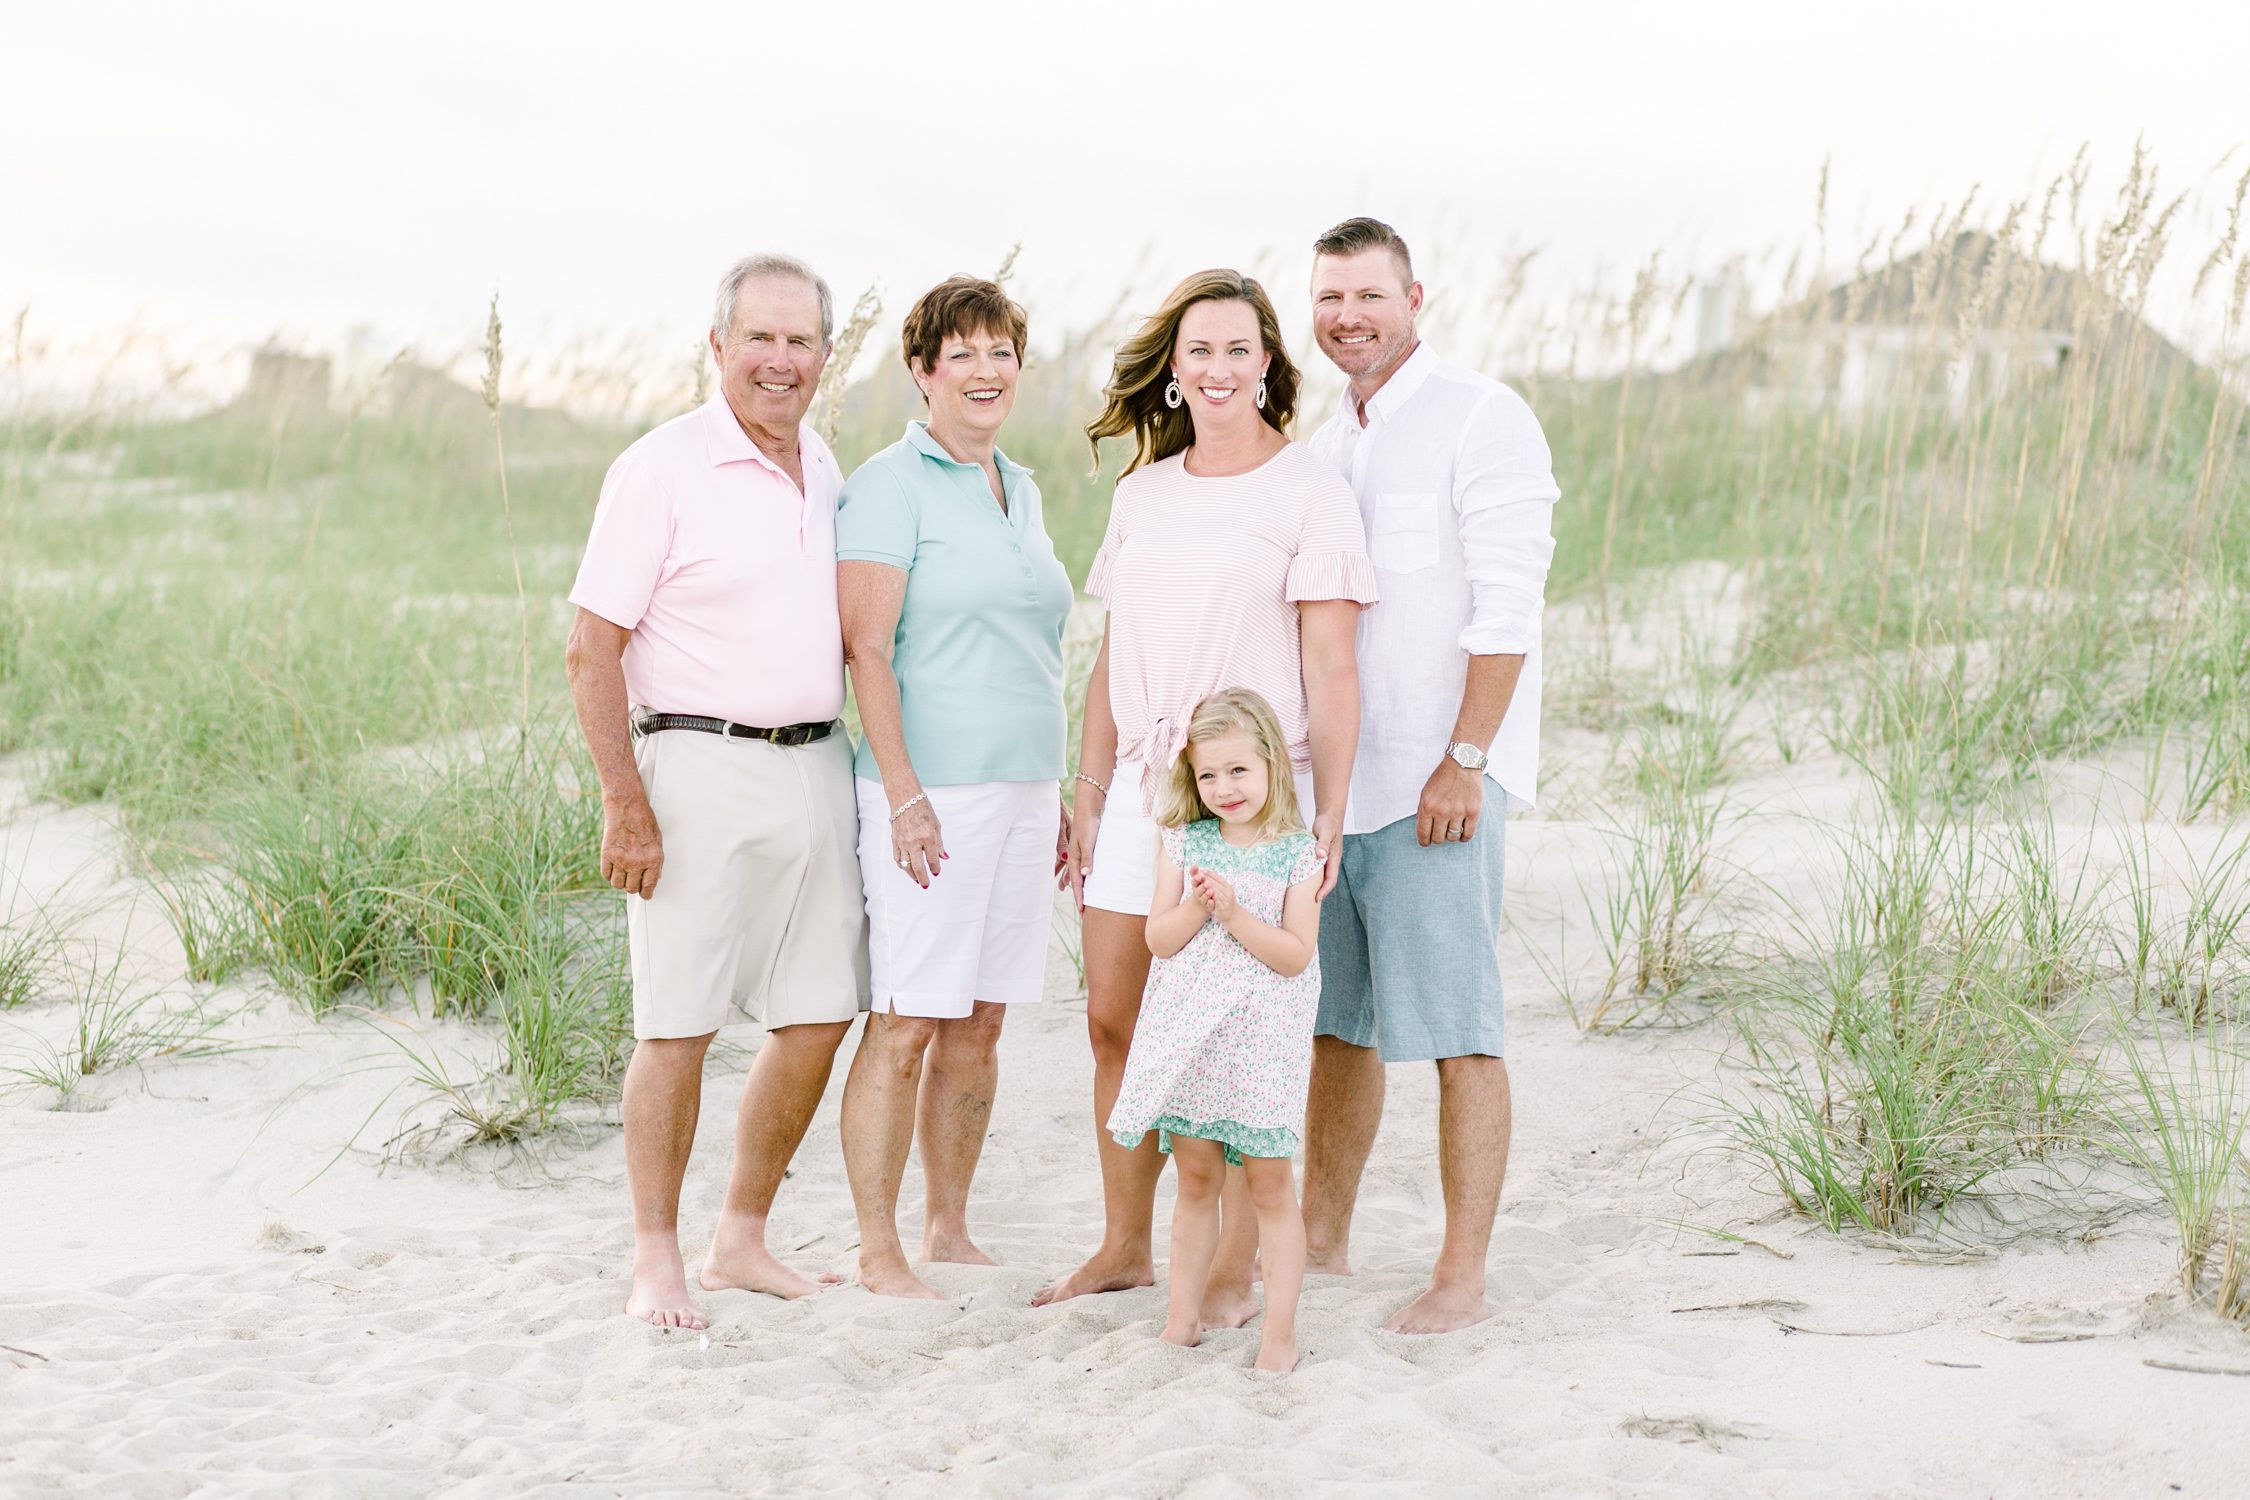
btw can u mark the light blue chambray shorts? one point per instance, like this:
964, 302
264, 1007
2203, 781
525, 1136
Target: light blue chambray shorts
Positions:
1408, 942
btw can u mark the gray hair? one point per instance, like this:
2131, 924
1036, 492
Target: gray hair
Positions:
768, 263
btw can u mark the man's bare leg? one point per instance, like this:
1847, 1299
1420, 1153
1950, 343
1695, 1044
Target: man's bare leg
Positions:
878, 1127
1342, 1111
1474, 1121
1227, 1298
778, 1100
663, 1096
960, 1078
1117, 961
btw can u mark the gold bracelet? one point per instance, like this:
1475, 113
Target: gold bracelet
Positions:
1090, 781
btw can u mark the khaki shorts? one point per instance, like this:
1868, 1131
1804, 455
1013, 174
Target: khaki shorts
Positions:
757, 912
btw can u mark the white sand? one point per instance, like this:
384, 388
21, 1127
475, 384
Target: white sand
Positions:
198, 1300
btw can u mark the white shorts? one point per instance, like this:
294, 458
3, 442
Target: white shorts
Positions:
757, 910
1124, 875
980, 931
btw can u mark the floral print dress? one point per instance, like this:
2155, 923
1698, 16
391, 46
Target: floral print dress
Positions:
1223, 1047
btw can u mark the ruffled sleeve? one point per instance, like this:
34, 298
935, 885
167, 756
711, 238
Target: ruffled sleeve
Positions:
1328, 575
1331, 560
1175, 847
1309, 861
1113, 539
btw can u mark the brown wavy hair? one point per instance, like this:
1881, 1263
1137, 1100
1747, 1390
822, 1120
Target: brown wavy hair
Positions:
1134, 398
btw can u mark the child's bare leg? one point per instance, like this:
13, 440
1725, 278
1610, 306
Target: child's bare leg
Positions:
1281, 1251
1202, 1168
1228, 1301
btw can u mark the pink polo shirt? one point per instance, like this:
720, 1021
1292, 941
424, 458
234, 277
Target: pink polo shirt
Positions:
724, 573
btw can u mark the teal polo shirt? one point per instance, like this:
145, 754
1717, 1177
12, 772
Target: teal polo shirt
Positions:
978, 653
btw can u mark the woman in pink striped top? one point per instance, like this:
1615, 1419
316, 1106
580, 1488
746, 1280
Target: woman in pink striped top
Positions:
1233, 559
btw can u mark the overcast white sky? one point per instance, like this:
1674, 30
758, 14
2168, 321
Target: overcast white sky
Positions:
228, 170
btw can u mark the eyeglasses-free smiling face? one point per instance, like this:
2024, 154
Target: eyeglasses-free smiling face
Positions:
972, 386
1219, 359
1363, 311
1230, 776
771, 359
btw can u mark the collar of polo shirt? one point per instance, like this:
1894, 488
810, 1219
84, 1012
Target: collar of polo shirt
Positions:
918, 438
726, 442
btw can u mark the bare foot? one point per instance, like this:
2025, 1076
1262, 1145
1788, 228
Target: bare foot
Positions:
1441, 1309
1335, 1262
1276, 1356
1228, 1307
1106, 1271
1187, 1336
890, 1277
738, 1260
953, 1248
660, 1294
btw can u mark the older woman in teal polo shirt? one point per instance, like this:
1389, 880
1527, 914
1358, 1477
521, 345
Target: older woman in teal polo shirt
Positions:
953, 606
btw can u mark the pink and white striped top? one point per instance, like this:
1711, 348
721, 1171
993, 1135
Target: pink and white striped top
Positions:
1203, 577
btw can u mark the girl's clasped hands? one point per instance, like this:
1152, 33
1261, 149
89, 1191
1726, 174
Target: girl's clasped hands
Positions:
1212, 893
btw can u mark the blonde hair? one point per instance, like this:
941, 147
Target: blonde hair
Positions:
1133, 401
1234, 711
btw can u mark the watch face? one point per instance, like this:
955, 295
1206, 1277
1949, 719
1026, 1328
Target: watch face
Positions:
1467, 756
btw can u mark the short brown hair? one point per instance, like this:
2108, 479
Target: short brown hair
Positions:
1133, 401
1355, 235
955, 308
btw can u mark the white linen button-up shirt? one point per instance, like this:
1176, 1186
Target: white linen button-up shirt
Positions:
1458, 491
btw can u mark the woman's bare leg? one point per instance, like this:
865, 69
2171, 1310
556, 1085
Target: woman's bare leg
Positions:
960, 1077
878, 1128
1117, 961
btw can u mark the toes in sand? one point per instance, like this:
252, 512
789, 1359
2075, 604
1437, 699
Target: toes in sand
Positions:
1101, 1274
1440, 1310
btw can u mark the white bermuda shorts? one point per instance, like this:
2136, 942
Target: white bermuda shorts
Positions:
757, 909
1124, 877
980, 931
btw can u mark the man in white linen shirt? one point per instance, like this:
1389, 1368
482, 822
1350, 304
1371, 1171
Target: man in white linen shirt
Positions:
1457, 488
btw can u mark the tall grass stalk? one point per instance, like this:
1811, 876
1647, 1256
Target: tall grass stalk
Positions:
491, 393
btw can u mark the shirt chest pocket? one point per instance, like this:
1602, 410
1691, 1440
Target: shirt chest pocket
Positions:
1404, 537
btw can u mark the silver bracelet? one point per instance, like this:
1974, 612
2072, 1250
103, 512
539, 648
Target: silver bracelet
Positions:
901, 810
1090, 781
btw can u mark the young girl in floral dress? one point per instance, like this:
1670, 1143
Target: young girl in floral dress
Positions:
1222, 1051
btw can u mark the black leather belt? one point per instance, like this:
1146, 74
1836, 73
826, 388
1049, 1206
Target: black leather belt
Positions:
787, 734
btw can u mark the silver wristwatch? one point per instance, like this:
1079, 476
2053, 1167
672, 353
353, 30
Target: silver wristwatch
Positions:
1467, 756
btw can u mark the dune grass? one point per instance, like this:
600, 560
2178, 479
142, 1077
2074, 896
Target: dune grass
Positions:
1980, 521
113, 1024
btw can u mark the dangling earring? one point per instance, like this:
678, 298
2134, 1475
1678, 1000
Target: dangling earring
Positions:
1172, 396
1261, 393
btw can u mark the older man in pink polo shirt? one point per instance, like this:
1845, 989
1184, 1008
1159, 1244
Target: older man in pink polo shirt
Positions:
707, 664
